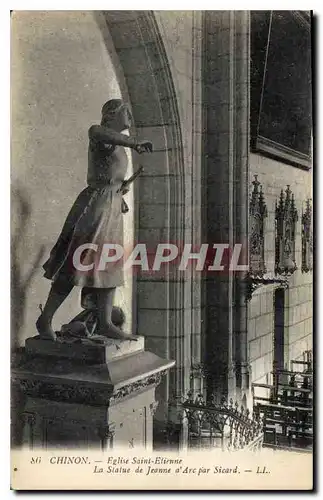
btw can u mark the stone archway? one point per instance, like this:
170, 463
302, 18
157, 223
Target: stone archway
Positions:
163, 302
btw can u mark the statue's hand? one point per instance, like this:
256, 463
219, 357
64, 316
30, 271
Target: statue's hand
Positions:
144, 147
125, 190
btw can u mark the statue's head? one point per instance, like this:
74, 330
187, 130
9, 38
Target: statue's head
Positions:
116, 115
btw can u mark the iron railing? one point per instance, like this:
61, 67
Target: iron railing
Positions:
224, 425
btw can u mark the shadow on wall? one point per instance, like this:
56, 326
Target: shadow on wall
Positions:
20, 282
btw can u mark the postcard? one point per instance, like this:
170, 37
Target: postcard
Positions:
161, 250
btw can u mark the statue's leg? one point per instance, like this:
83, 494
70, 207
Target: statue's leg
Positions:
105, 305
58, 293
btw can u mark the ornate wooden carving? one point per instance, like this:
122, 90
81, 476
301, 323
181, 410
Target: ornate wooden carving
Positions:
255, 282
307, 239
81, 394
257, 214
257, 275
286, 217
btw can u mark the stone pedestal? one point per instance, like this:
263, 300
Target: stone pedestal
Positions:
87, 396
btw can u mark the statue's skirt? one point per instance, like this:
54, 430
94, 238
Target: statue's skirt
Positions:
94, 220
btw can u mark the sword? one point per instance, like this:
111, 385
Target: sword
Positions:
129, 181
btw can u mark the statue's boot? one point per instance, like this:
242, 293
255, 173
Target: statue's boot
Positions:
45, 330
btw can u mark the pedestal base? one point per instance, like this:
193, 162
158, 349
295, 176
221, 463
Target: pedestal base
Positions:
102, 397
85, 350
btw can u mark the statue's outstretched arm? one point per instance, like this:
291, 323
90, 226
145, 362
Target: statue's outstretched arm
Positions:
109, 136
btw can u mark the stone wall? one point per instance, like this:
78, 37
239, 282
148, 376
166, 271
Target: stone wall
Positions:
236, 335
62, 73
274, 176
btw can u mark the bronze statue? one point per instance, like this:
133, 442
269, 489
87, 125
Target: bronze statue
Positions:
96, 217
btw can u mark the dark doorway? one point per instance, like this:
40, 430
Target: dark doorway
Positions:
279, 328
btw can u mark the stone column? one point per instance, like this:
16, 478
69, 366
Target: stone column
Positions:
242, 140
226, 94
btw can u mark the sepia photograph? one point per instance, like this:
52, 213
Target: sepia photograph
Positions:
162, 249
